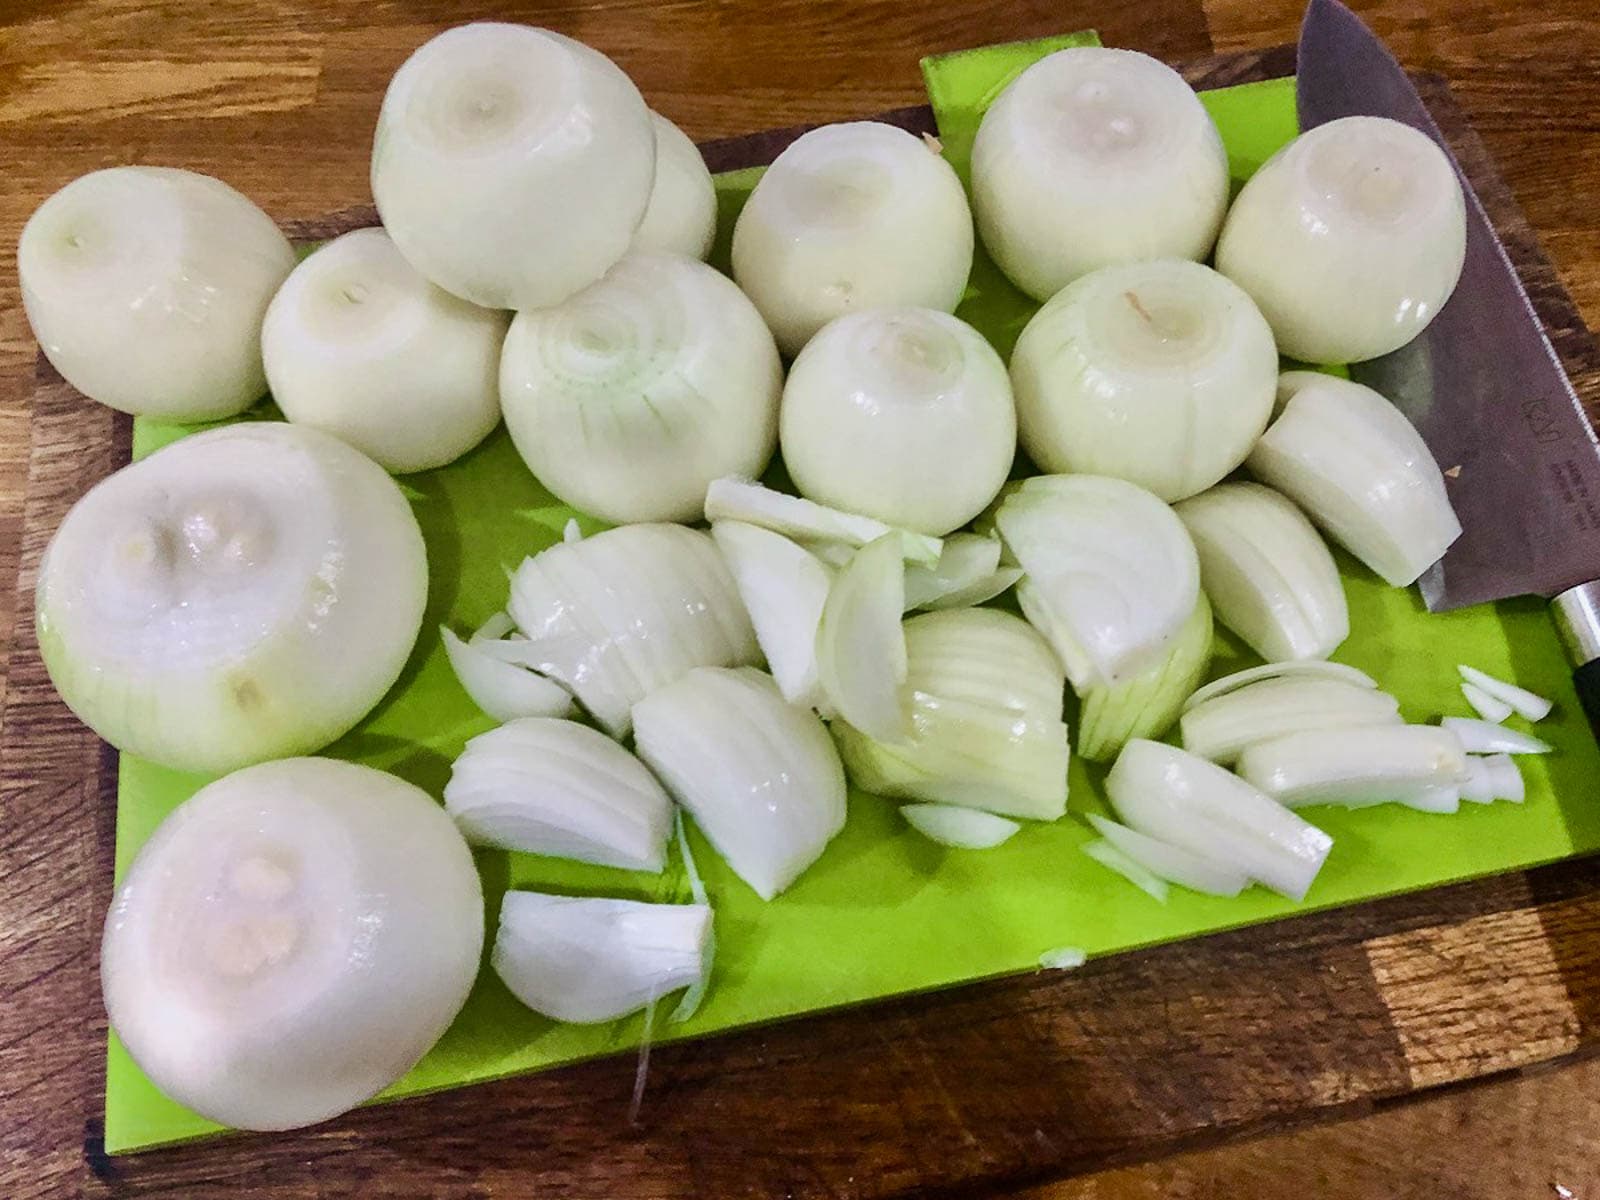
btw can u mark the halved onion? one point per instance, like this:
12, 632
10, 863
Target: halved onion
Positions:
1094, 156
784, 588
588, 959
876, 397
246, 593
1111, 573
1161, 373
1180, 798
290, 941
1299, 668
1356, 767
1221, 727
1145, 705
512, 165
1488, 737
1350, 239
546, 786
759, 775
852, 216
735, 499
619, 614
986, 728
1361, 471
1170, 862
146, 286
503, 689
959, 828
861, 650
629, 399
682, 216
1267, 572
357, 344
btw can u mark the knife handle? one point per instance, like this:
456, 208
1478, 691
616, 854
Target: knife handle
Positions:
1577, 617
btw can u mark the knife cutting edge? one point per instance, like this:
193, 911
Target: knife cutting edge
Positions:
1482, 384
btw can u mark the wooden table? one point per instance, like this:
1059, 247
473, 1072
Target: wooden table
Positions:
1335, 1014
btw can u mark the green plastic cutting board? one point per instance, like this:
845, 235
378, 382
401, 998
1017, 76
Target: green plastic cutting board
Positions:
886, 911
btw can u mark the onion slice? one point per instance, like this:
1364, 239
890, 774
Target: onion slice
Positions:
588, 959
619, 614
958, 827
290, 941
759, 775
1222, 727
682, 215
1355, 767
503, 690
784, 588
1169, 862
1183, 799
1361, 471
986, 728
1490, 708
1314, 667
545, 786
1523, 702
734, 499
1146, 705
1111, 573
1108, 856
1267, 572
861, 649
1492, 777
965, 563
1488, 737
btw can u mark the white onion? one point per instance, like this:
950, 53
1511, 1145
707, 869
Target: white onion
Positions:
504, 690
1135, 872
1170, 862
1194, 804
1490, 708
1350, 239
290, 941
1296, 668
861, 650
245, 593
1111, 573
1146, 704
589, 959
511, 165
742, 500
555, 787
759, 775
783, 587
1355, 767
1222, 726
1492, 777
967, 574
986, 728
1161, 373
1488, 737
852, 216
959, 828
357, 344
629, 399
1523, 702
876, 397
145, 287
1091, 157
1361, 471
619, 614
682, 216
1267, 572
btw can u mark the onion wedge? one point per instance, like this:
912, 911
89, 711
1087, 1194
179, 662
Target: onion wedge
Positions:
1170, 862
733, 499
784, 588
1356, 767
1313, 667
960, 828
502, 689
1488, 737
588, 959
1146, 705
861, 649
1523, 702
1492, 777
1108, 856
1222, 727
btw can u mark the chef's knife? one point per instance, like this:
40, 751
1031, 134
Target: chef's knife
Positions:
1483, 385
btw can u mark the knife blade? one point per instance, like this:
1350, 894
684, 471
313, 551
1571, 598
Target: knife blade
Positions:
1482, 384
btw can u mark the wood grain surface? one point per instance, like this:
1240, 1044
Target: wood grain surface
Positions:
1170, 1055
